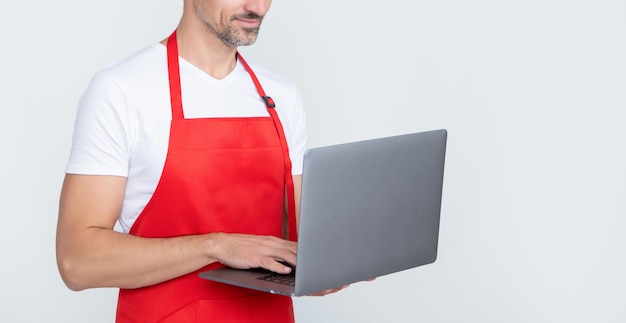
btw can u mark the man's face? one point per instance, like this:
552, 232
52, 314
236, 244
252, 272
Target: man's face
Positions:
234, 22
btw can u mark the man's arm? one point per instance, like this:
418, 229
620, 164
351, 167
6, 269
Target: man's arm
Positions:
91, 254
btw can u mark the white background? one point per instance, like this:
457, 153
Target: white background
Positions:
532, 93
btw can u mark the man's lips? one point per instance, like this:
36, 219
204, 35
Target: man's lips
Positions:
250, 20
250, 23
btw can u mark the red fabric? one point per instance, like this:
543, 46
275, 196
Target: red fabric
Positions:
220, 175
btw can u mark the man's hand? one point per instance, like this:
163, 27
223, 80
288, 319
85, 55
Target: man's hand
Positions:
330, 291
334, 290
244, 251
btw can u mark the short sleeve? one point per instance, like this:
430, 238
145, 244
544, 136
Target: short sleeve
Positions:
100, 144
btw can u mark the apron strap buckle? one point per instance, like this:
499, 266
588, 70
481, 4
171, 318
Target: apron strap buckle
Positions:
269, 102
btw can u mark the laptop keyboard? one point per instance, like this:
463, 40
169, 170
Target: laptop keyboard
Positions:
288, 279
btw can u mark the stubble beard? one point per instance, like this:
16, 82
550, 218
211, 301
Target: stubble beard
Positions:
229, 34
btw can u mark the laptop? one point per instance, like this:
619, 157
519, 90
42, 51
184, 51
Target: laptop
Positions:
367, 209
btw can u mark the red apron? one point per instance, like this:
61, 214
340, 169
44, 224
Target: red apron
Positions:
220, 175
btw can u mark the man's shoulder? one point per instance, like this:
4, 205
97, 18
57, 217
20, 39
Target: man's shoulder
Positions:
140, 80
146, 63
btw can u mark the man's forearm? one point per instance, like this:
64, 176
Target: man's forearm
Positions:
100, 257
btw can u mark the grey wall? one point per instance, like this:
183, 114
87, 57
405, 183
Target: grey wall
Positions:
531, 92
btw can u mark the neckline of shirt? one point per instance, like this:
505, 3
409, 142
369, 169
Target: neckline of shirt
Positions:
186, 66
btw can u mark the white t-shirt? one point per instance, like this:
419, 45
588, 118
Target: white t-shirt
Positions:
123, 118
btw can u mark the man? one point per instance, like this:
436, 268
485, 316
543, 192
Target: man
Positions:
181, 144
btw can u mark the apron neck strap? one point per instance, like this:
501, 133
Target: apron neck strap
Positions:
174, 77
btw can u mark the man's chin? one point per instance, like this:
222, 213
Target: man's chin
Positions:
251, 37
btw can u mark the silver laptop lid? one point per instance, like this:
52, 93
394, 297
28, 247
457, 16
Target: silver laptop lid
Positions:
369, 208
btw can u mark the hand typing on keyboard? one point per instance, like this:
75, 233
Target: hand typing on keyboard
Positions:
286, 279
